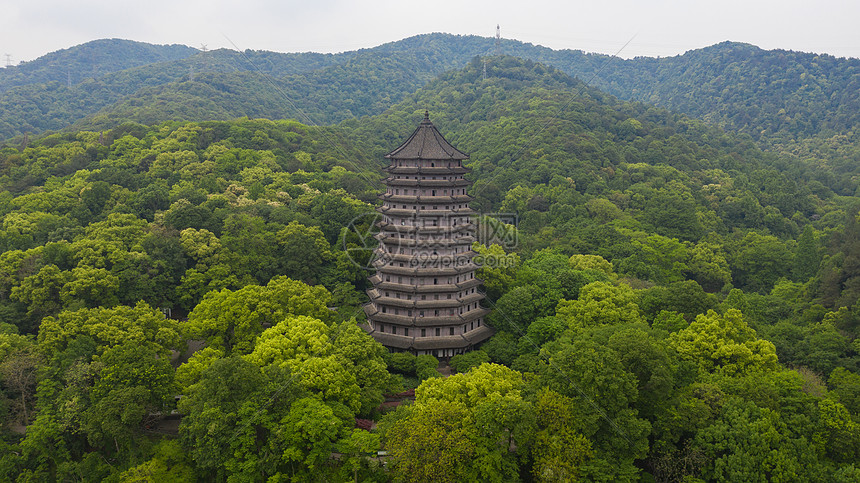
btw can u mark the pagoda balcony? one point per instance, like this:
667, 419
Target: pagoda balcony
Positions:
418, 271
380, 300
429, 183
377, 281
376, 315
425, 230
390, 239
425, 199
425, 269
407, 258
405, 212
428, 170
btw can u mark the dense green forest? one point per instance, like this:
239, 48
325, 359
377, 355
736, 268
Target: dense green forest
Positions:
775, 96
90, 60
680, 305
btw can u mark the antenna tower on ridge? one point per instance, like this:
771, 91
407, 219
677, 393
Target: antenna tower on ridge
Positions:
498, 40
204, 49
8, 60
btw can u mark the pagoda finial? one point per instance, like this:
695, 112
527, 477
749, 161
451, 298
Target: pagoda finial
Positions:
426, 115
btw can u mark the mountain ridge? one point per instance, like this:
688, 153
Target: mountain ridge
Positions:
775, 96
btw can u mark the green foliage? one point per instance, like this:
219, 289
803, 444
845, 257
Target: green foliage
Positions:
600, 303
232, 321
660, 267
400, 362
724, 344
461, 427
425, 367
170, 463
465, 362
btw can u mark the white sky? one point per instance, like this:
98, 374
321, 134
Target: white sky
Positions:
31, 28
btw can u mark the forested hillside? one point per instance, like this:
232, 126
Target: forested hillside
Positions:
678, 303
90, 60
780, 98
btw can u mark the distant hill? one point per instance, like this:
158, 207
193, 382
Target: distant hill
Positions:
776, 96
764, 93
90, 60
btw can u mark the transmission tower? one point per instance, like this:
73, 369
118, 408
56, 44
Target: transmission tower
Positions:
8, 60
498, 46
204, 49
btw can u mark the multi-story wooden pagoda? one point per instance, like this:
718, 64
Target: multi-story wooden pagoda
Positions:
425, 297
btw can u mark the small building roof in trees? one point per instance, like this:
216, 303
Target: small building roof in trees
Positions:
427, 143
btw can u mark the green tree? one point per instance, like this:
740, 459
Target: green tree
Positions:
233, 320
807, 256
724, 344
600, 303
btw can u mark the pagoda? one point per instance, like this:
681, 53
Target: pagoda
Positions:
425, 297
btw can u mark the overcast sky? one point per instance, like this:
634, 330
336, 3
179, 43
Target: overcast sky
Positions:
31, 28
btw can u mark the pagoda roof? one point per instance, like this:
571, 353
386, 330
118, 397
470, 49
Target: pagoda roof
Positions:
427, 143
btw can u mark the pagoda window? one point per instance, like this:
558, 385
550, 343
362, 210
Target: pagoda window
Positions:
435, 281
421, 314
383, 311
451, 331
436, 313
399, 279
406, 332
394, 329
438, 331
410, 315
423, 332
